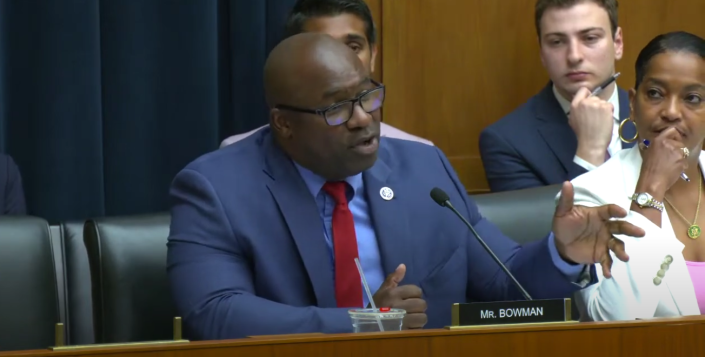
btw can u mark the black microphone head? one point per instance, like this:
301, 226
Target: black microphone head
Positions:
440, 196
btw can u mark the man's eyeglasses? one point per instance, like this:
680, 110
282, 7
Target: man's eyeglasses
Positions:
340, 112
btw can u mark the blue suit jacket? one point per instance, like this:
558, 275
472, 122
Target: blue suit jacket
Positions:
534, 145
246, 253
12, 201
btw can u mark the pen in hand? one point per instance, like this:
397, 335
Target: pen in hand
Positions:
684, 177
604, 85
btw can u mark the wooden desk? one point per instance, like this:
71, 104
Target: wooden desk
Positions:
657, 337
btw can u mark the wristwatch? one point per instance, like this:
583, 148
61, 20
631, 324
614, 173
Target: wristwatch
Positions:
645, 200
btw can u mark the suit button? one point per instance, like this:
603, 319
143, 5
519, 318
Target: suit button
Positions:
668, 259
657, 281
661, 273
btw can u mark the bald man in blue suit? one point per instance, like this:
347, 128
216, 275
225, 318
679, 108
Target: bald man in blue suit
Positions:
252, 247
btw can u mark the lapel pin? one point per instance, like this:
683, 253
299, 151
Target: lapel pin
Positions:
386, 193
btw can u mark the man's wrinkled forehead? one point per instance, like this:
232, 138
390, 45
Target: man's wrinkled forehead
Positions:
346, 87
336, 60
338, 70
579, 19
343, 27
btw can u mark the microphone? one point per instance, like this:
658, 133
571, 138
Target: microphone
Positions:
440, 197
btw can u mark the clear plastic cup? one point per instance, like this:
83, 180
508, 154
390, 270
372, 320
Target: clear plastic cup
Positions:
369, 320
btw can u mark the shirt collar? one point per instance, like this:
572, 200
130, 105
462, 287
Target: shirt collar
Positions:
315, 182
565, 104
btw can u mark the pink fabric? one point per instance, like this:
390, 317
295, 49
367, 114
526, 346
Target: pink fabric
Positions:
385, 130
697, 274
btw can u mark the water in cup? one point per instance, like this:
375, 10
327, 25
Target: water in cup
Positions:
369, 320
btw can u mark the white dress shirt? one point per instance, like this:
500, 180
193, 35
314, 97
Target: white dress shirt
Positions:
615, 144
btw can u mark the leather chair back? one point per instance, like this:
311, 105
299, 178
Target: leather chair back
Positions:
29, 297
131, 297
523, 215
76, 287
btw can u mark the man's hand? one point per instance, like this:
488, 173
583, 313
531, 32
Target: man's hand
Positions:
584, 235
406, 297
591, 118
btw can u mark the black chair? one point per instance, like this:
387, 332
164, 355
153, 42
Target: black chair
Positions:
131, 297
523, 215
74, 282
29, 296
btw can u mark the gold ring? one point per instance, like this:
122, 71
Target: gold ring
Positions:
686, 153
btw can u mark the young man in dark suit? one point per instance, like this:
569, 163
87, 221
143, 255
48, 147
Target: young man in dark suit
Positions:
563, 131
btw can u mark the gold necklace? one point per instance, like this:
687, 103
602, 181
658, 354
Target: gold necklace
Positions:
694, 229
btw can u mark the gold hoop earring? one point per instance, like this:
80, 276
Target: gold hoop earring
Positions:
621, 127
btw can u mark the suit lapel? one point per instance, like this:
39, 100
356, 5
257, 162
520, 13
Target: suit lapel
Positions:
679, 282
559, 136
554, 128
678, 278
301, 215
389, 216
629, 129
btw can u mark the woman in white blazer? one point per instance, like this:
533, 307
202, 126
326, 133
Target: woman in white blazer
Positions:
665, 273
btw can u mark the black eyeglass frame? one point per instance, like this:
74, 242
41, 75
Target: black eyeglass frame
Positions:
322, 111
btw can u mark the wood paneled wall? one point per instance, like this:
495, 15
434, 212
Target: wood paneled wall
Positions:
453, 67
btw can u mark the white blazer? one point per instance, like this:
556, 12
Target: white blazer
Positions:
632, 292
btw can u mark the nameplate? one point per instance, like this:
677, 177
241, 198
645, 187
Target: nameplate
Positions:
510, 312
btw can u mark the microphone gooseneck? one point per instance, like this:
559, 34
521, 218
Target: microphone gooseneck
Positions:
442, 199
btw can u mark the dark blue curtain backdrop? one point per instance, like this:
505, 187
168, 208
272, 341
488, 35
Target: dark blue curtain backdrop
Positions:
103, 101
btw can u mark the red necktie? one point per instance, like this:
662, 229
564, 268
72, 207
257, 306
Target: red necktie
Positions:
348, 286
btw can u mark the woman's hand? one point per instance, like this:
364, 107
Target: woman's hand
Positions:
663, 163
